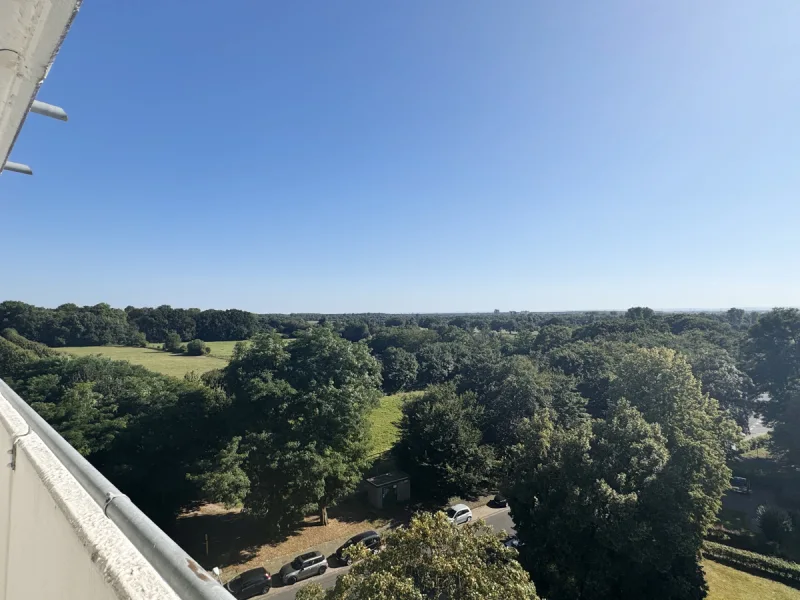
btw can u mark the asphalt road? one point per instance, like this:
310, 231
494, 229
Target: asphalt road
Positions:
499, 521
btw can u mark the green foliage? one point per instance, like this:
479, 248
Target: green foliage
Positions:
355, 332
759, 564
399, 370
617, 507
437, 363
173, 343
410, 339
772, 351
551, 337
432, 559
302, 411
137, 339
222, 479
197, 348
142, 430
639, 313
13, 359
40, 350
440, 444
774, 522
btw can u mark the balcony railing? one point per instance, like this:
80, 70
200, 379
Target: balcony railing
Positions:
67, 532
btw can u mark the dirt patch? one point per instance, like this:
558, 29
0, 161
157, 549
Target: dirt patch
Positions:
237, 541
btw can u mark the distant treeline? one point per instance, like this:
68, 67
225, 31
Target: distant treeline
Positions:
98, 325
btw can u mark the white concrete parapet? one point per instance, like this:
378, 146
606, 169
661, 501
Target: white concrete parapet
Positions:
55, 541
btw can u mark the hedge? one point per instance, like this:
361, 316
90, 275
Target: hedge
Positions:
38, 349
770, 567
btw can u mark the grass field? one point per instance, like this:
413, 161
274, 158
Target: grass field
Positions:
175, 365
385, 419
725, 583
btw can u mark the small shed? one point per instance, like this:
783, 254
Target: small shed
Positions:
386, 490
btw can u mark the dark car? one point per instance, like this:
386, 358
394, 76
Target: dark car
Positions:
250, 583
499, 501
513, 542
304, 566
370, 539
740, 485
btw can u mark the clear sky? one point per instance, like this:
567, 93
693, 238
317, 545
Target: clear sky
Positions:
414, 156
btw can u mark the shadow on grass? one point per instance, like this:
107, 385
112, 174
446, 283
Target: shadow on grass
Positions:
234, 538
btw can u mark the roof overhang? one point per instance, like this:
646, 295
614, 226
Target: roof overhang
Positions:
31, 32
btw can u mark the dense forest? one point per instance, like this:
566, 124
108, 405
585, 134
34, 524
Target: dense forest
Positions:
611, 434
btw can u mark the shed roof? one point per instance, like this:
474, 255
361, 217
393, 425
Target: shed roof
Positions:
387, 478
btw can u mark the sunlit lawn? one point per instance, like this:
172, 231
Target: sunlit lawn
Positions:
385, 420
726, 583
175, 365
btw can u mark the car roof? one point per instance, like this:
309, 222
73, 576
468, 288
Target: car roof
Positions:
256, 573
363, 535
310, 555
459, 507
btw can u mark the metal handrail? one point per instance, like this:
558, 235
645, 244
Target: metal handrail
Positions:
181, 572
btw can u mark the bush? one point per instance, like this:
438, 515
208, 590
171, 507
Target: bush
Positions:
137, 340
172, 343
197, 348
40, 350
770, 567
775, 523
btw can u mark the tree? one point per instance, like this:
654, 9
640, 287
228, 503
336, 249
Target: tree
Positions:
440, 444
639, 313
551, 337
587, 493
221, 478
772, 353
197, 348
618, 507
302, 407
432, 559
13, 359
399, 370
774, 522
437, 363
355, 332
172, 343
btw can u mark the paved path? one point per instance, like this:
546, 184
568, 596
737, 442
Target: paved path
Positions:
498, 519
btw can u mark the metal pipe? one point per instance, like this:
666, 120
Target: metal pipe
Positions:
187, 578
17, 168
48, 110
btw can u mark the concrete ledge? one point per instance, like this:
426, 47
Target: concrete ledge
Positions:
55, 541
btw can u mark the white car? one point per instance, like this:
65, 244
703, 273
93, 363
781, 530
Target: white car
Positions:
459, 513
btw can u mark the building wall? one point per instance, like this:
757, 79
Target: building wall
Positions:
55, 541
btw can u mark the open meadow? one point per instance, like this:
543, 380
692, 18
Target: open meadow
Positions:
727, 583
176, 365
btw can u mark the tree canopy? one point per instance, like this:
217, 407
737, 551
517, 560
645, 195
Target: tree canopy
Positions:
432, 559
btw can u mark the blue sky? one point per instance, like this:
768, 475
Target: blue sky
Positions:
414, 156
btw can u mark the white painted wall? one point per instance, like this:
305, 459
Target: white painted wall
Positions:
31, 32
55, 541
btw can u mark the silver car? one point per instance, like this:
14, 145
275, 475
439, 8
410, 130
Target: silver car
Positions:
304, 566
459, 513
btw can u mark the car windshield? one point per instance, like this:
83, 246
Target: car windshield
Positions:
297, 563
451, 512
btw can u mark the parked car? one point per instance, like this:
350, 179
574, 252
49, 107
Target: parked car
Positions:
740, 485
499, 501
459, 513
513, 542
254, 582
370, 539
304, 566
